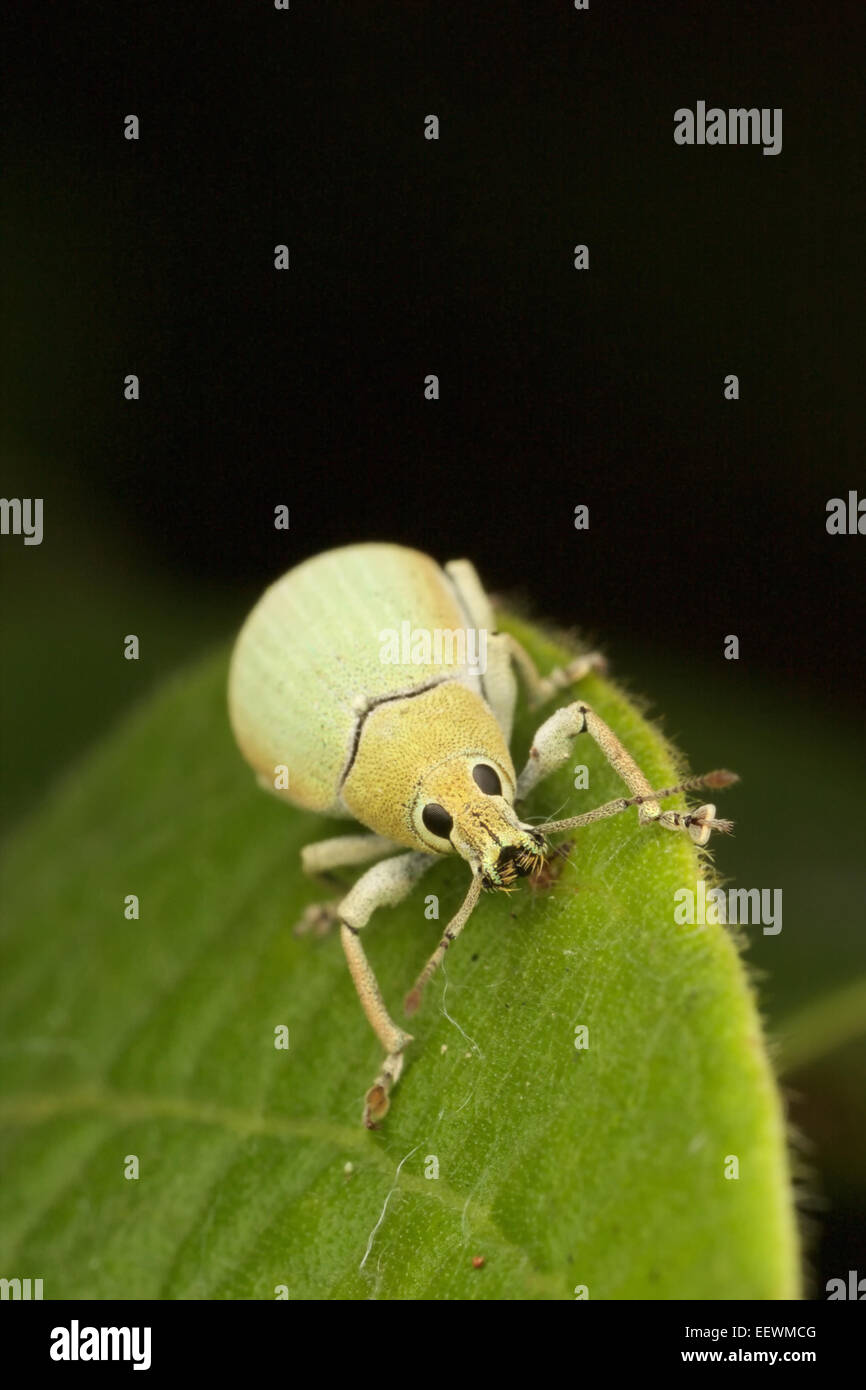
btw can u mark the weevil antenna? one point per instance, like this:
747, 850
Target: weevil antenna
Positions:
451, 932
717, 780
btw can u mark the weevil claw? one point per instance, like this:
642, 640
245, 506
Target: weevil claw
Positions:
703, 821
376, 1106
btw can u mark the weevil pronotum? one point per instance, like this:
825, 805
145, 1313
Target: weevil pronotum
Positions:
378, 681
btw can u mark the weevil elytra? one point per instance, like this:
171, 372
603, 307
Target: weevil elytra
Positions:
377, 682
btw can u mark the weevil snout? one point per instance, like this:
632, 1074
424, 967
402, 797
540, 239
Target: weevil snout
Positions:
466, 803
500, 848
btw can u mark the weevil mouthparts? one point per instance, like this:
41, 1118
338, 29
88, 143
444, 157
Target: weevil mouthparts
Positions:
514, 862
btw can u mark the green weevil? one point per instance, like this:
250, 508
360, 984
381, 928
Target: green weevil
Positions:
371, 683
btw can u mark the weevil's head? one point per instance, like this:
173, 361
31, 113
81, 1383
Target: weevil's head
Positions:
465, 803
433, 772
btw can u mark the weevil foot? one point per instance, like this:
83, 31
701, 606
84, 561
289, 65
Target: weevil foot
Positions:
581, 666
699, 823
376, 1106
316, 920
377, 1101
703, 821
562, 677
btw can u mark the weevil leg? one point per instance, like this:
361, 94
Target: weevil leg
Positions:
384, 885
471, 593
553, 744
542, 688
499, 685
318, 859
345, 851
505, 652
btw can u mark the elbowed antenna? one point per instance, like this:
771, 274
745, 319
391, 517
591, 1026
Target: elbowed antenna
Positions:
716, 780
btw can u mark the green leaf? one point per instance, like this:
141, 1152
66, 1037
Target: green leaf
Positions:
602, 1166
799, 824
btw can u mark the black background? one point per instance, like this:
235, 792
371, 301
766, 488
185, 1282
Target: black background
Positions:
409, 256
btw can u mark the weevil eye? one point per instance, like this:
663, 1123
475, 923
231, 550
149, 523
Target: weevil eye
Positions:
437, 820
487, 779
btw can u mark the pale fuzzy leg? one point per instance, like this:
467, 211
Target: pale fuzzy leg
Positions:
341, 852
553, 746
542, 688
384, 885
345, 851
500, 685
